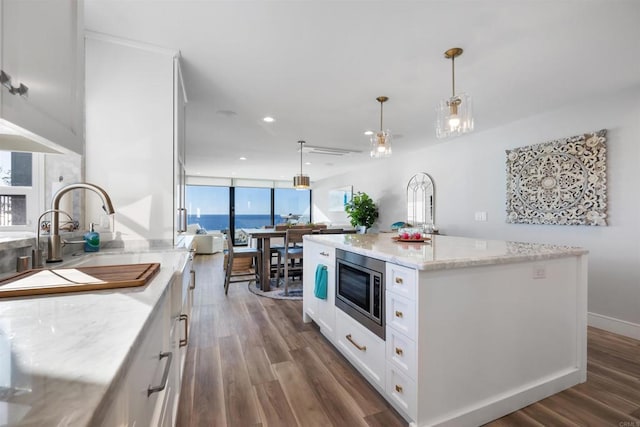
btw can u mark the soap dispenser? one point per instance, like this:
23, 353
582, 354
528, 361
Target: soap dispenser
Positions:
92, 239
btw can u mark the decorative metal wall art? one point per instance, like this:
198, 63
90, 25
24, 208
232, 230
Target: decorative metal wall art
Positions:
559, 182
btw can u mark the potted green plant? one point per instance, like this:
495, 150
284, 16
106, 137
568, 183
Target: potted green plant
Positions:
362, 211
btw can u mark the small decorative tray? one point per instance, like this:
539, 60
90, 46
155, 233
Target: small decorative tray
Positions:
398, 239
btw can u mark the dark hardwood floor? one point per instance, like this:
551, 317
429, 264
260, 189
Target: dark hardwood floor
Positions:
251, 361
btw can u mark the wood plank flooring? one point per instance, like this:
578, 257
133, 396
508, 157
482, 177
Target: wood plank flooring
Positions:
251, 361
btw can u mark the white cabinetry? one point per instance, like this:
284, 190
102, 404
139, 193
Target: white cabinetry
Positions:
149, 392
320, 310
43, 50
468, 344
401, 360
363, 348
135, 135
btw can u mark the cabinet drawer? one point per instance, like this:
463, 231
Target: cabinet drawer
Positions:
326, 254
401, 314
402, 392
401, 280
364, 349
401, 351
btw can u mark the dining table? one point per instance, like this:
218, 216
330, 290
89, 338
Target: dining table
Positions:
263, 238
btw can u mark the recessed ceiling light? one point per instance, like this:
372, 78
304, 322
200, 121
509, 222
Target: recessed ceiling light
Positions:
243, 158
307, 163
269, 119
368, 132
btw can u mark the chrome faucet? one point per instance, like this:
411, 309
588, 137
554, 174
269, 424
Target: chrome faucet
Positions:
54, 253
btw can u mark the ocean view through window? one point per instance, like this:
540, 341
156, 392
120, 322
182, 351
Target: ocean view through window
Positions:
210, 207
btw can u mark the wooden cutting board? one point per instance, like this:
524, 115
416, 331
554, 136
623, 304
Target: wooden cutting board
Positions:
61, 280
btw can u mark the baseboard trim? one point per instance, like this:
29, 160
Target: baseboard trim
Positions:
617, 326
514, 400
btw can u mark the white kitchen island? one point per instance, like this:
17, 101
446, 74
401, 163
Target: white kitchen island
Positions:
475, 329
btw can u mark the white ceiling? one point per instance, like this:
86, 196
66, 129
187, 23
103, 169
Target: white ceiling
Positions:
318, 65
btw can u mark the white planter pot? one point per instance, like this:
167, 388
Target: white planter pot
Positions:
361, 229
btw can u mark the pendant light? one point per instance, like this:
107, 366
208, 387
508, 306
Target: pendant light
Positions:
381, 140
301, 182
455, 114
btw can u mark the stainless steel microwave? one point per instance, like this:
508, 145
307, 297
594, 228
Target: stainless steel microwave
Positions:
360, 289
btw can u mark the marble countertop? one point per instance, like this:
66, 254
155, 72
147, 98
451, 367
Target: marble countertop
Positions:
443, 252
60, 354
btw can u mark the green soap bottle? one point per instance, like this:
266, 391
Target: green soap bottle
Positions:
92, 240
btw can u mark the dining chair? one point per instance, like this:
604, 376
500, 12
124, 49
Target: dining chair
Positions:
245, 275
291, 252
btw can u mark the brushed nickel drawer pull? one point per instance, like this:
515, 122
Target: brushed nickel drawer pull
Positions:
399, 314
324, 253
193, 279
165, 374
359, 347
185, 341
399, 351
399, 280
398, 388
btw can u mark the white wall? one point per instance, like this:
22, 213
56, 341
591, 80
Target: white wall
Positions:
469, 175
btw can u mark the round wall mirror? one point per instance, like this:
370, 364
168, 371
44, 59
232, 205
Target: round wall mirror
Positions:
421, 200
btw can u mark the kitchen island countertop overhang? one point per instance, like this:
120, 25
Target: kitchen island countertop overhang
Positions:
444, 252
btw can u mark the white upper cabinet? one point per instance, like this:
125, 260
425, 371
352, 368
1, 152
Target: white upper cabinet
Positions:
43, 50
135, 133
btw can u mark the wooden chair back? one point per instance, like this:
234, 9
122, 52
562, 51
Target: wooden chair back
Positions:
331, 231
294, 235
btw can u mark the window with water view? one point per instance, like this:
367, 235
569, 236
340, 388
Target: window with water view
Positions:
210, 206
16, 183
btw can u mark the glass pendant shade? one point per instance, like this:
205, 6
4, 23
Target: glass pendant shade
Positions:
301, 181
381, 140
381, 144
454, 116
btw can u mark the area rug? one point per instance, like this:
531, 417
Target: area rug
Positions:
277, 292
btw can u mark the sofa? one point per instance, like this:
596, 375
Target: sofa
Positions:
206, 242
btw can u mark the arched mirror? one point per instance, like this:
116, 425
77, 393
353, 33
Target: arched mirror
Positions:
421, 200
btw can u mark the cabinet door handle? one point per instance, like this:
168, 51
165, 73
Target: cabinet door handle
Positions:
5, 80
398, 388
399, 314
184, 219
358, 346
185, 341
193, 279
399, 351
399, 280
165, 374
324, 253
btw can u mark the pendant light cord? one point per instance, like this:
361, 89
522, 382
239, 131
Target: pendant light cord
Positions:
381, 115
453, 77
300, 142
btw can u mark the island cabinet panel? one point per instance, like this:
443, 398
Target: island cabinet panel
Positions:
322, 311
